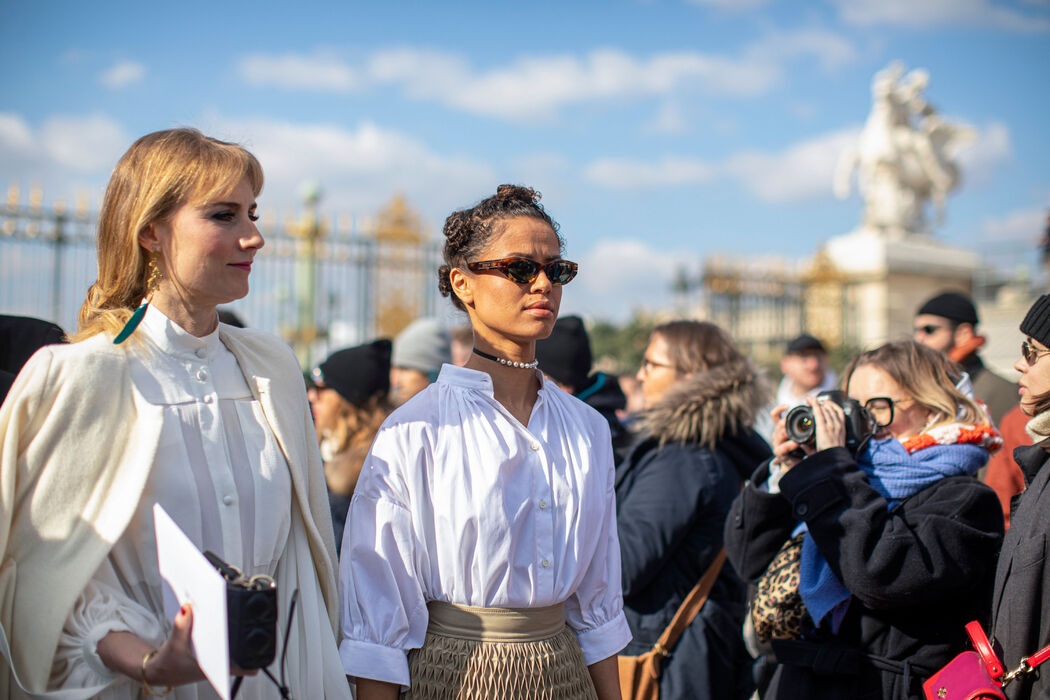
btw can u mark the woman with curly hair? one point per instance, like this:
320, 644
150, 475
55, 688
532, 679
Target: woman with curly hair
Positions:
480, 557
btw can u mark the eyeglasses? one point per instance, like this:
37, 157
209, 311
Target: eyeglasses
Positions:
1030, 353
929, 328
525, 271
881, 409
648, 365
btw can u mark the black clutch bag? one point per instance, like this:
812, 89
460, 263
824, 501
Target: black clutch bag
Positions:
251, 616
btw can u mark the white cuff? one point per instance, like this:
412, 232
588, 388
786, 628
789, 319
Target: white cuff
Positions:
776, 473
374, 661
602, 642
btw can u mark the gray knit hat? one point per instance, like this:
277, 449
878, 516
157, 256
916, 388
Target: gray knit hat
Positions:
423, 345
1036, 323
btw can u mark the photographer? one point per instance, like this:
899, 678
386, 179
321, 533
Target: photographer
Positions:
894, 542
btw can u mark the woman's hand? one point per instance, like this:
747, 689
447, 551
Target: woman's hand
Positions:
174, 663
786, 451
829, 422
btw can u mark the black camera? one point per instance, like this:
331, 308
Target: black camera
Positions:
251, 616
802, 429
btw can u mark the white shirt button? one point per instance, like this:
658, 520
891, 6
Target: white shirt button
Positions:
534, 446
543, 505
199, 352
228, 500
202, 374
545, 563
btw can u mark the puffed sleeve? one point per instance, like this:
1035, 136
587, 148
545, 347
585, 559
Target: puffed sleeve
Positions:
102, 607
384, 613
595, 611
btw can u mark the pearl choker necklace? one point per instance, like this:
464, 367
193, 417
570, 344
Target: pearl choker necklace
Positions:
509, 363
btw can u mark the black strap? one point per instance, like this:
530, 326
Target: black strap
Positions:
831, 658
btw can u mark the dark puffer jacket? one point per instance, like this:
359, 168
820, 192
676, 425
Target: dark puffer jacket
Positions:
673, 492
918, 574
1021, 612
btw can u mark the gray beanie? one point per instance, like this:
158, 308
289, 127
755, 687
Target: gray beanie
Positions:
423, 345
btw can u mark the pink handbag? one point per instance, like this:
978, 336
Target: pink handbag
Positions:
977, 675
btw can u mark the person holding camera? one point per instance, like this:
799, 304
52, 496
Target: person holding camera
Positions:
480, 558
157, 402
869, 541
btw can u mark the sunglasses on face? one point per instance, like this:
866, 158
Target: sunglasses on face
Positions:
525, 271
1030, 353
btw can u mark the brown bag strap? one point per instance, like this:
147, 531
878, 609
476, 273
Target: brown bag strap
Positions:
690, 607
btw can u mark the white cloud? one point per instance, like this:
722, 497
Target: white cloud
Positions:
670, 171
993, 148
613, 266
84, 143
122, 75
1018, 225
532, 88
934, 13
668, 120
320, 71
78, 143
359, 167
802, 171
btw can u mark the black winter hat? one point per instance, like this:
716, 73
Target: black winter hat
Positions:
1036, 323
358, 373
802, 343
952, 306
565, 355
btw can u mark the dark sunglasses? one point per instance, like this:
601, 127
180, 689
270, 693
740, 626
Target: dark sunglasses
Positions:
525, 271
1031, 354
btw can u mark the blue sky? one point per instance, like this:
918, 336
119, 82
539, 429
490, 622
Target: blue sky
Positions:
659, 131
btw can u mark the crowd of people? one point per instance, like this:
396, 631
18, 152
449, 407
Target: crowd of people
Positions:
476, 512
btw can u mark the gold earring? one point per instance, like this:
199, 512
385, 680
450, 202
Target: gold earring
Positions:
153, 273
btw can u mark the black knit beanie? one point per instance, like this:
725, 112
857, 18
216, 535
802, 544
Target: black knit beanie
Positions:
952, 306
358, 373
1036, 323
565, 355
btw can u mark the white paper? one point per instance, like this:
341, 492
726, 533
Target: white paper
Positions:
195, 581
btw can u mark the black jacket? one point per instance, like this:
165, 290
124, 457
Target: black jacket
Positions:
603, 394
1021, 604
917, 573
671, 504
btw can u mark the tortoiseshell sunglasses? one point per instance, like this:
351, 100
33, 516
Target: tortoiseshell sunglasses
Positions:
525, 271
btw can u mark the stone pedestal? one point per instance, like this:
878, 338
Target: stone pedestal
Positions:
883, 281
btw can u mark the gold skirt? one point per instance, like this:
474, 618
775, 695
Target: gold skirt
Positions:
494, 653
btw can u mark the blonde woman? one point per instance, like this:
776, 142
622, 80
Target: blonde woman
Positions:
898, 541
157, 402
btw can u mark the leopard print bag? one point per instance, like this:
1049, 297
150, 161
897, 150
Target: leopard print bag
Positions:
777, 610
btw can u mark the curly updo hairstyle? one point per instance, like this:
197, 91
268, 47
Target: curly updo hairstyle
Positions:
468, 231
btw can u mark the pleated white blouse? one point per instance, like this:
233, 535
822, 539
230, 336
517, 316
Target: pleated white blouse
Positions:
221, 476
460, 502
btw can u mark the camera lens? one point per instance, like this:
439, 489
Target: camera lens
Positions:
799, 424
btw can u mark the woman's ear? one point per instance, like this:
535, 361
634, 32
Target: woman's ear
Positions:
148, 237
461, 286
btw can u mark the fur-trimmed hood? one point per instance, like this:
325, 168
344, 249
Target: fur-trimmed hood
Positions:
709, 405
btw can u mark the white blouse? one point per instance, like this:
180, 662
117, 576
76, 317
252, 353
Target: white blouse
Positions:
459, 502
221, 476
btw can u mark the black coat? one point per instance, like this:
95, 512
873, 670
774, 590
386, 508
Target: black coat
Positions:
671, 505
1021, 604
917, 573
